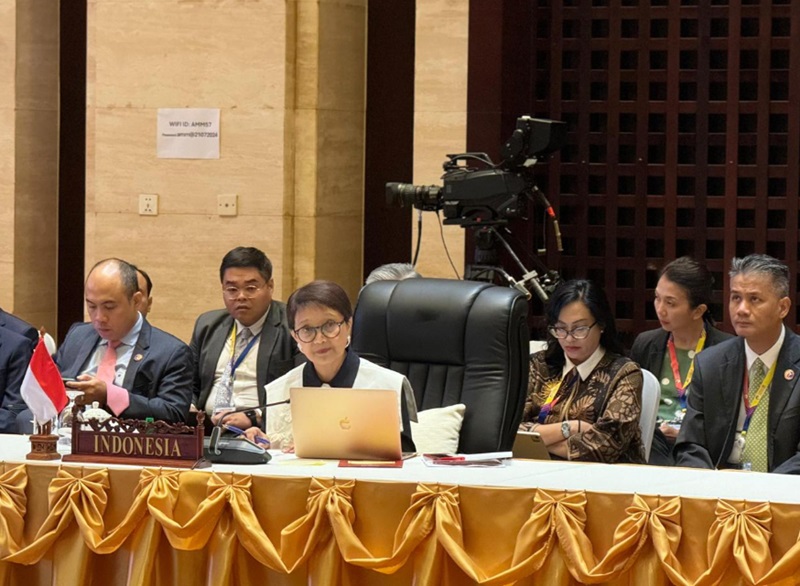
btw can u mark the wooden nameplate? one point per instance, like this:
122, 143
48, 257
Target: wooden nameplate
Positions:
137, 442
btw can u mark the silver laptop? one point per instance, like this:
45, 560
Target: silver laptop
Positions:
345, 424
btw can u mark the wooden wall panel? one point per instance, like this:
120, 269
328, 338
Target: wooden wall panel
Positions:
683, 137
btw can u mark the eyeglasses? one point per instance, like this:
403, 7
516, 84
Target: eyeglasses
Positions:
579, 332
330, 329
248, 291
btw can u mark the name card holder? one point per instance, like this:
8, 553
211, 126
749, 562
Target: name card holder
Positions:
137, 442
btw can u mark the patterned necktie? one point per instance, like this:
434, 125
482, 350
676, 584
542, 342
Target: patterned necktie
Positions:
223, 401
755, 446
107, 371
241, 341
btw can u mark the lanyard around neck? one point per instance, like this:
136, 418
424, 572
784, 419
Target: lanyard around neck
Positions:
556, 393
673, 361
237, 360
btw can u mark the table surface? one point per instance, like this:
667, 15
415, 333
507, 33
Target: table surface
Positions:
555, 475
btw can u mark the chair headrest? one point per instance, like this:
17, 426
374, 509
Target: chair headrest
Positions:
425, 317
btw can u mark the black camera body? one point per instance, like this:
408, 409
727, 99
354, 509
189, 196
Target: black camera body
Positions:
472, 196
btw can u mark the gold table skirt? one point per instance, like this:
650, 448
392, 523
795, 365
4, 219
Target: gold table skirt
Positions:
74, 525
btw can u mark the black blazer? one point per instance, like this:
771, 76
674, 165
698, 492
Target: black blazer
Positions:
712, 414
649, 347
15, 354
277, 351
159, 381
13, 323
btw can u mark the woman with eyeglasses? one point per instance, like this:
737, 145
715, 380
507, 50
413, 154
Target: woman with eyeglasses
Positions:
584, 396
321, 318
682, 297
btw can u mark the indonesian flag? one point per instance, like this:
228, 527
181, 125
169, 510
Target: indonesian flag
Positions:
42, 388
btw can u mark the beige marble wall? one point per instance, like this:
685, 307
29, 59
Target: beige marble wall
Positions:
329, 142
440, 120
29, 158
8, 43
288, 78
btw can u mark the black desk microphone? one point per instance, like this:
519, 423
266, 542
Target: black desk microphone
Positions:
234, 450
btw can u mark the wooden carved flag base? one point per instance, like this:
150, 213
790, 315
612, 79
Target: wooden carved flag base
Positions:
43, 447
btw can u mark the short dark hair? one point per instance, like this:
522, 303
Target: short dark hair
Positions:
765, 265
696, 281
147, 280
127, 274
246, 257
322, 293
595, 300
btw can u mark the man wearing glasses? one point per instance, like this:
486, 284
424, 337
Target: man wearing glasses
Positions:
239, 349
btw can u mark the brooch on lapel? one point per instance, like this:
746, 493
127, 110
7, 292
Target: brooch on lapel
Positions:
789, 374
138, 357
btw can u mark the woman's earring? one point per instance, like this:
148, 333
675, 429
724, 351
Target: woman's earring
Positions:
348, 342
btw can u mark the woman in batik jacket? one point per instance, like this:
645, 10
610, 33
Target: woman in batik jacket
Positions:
584, 396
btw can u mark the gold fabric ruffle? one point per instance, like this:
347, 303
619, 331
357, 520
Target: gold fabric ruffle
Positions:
157, 526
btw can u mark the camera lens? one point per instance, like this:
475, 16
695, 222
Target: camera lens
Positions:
400, 194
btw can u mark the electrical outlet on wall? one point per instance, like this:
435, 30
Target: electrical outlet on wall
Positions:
148, 204
227, 204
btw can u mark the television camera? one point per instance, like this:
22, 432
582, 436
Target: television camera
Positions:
486, 196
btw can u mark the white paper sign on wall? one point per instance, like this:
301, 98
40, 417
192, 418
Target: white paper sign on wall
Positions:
188, 133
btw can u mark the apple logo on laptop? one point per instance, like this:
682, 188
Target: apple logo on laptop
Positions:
344, 423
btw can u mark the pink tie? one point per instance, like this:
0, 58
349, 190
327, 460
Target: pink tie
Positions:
107, 370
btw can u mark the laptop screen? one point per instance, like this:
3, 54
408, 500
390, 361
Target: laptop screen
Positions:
345, 424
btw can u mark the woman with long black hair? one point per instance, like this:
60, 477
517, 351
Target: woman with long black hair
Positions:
584, 395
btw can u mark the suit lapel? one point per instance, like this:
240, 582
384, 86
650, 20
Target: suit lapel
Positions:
85, 350
657, 351
783, 386
730, 376
213, 349
140, 350
269, 336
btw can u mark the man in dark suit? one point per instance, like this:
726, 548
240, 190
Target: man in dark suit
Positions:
239, 349
131, 368
15, 354
744, 403
11, 322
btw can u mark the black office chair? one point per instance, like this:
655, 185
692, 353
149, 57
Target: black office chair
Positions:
457, 342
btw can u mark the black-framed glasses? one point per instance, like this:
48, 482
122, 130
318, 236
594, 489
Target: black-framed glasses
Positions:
578, 332
249, 291
330, 329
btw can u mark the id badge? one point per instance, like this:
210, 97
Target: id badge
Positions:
737, 450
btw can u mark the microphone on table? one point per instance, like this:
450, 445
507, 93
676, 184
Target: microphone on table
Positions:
237, 450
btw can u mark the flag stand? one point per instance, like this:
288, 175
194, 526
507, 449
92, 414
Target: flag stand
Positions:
43, 444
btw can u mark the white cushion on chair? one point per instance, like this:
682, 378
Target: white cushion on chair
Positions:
438, 430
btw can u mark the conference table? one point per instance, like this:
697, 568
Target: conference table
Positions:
296, 521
